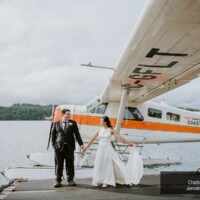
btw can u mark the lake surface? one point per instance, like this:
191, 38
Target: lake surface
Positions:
20, 138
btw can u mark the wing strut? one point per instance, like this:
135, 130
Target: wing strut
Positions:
122, 106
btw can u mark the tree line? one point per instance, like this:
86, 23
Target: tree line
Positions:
35, 112
25, 112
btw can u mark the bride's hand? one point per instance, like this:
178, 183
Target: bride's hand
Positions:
131, 145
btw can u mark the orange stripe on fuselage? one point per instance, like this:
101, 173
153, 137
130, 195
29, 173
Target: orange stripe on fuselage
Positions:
143, 125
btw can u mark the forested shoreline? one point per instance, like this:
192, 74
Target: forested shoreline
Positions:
25, 112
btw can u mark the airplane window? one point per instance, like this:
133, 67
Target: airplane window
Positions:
98, 109
93, 103
132, 114
173, 116
92, 110
152, 112
101, 108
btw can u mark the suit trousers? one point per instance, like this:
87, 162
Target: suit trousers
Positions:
65, 155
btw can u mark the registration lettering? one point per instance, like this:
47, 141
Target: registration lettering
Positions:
143, 73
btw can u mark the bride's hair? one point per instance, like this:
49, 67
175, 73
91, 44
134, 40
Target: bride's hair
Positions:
107, 120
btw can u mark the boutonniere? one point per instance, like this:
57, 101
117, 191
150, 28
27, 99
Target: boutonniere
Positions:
70, 124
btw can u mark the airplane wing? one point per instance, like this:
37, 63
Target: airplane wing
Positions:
163, 52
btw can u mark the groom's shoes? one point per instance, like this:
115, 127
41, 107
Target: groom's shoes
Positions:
57, 184
71, 183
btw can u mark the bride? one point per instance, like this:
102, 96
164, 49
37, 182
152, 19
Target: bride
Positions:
108, 168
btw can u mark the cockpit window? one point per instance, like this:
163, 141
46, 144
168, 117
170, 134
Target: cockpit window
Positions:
132, 113
100, 109
93, 103
92, 110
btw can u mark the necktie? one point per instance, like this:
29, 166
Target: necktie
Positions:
65, 126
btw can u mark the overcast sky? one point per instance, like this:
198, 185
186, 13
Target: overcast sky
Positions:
43, 43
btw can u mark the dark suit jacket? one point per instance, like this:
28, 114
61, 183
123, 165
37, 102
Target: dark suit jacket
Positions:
58, 135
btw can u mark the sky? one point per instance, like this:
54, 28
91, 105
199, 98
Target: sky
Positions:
43, 43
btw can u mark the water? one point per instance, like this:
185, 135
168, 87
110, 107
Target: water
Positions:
20, 138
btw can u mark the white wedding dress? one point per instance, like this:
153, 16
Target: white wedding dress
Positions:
109, 169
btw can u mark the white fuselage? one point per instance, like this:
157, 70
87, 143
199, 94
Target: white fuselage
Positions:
146, 122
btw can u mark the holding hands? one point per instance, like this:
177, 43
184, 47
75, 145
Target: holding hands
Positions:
83, 148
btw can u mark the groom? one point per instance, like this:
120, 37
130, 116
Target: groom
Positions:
63, 142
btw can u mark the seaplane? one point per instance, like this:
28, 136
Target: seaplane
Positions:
163, 53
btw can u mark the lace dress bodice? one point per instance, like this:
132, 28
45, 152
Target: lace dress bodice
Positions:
105, 136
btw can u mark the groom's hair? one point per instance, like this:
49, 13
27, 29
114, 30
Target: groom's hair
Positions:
65, 110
